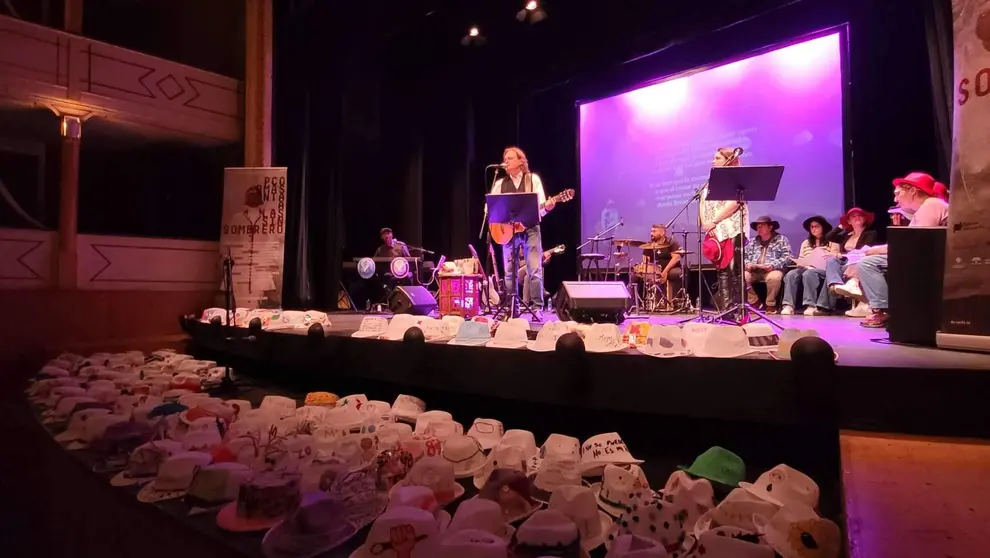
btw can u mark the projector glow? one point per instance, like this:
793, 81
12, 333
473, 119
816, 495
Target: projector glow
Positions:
645, 152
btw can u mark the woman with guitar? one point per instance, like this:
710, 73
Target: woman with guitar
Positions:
724, 232
520, 180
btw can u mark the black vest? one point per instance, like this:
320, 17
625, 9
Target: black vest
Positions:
525, 185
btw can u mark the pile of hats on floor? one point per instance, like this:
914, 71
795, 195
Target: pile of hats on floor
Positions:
315, 476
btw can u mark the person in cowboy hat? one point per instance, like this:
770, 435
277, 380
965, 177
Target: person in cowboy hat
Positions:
853, 233
817, 299
928, 198
766, 257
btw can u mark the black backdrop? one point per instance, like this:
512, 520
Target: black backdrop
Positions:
384, 119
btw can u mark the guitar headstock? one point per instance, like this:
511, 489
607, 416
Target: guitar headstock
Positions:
566, 195
558, 249
474, 253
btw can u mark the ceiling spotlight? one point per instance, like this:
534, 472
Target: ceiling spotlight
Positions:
473, 37
532, 12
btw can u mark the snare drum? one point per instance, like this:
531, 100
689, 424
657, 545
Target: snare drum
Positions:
646, 269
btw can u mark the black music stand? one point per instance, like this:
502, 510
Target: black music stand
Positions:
743, 184
524, 209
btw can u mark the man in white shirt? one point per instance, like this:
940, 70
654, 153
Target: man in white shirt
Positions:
927, 198
520, 180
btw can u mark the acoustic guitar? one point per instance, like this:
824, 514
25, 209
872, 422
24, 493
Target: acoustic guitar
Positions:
502, 232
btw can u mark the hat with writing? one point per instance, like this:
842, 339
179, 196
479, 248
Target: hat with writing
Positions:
603, 338
371, 327
604, 449
474, 334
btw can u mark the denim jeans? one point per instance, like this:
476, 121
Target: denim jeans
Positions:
834, 267
792, 286
815, 292
872, 280
533, 249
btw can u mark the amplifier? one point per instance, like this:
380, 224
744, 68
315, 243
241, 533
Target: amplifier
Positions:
916, 266
411, 300
593, 301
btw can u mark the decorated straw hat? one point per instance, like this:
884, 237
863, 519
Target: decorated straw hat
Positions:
320, 524
796, 531
736, 510
510, 335
262, 502
174, 476
413, 530
603, 338
621, 488
437, 474
465, 454
488, 432
633, 546
371, 327
730, 542
546, 338
481, 514
472, 542
510, 489
604, 449
665, 341
784, 485
547, 532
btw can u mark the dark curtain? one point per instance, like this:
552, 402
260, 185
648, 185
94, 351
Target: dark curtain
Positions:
938, 35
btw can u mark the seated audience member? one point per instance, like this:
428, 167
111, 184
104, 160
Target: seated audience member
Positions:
853, 233
928, 198
767, 255
808, 280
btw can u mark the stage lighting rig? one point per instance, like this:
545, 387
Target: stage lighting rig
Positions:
533, 12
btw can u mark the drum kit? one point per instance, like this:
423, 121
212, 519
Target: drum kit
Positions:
656, 296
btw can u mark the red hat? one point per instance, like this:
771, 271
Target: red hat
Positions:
925, 183
868, 215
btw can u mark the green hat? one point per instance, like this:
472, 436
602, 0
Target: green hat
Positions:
719, 465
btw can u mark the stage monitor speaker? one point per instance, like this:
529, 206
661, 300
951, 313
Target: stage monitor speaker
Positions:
915, 268
411, 300
593, 301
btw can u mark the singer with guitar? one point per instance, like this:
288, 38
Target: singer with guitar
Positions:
519, 180
724, 232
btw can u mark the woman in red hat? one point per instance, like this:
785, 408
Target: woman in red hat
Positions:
853, 233
928, 198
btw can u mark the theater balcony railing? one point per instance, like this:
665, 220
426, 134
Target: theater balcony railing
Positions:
43, 67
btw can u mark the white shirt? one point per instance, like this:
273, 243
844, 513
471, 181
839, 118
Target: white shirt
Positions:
537, 188
730, 227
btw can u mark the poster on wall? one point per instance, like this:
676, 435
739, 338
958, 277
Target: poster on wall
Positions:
253, 233
966, 294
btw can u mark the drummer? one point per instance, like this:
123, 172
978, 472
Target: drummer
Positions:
662, 251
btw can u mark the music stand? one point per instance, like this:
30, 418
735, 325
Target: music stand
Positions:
742, 184
523, 209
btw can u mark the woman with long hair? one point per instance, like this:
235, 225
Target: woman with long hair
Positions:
720, 222
816, 299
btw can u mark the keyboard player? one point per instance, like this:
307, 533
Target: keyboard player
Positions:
391, 248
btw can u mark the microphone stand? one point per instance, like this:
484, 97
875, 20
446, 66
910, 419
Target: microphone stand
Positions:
486, 234
701, 238
596, 239
230, 306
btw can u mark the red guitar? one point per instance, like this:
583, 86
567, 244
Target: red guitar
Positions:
719, 252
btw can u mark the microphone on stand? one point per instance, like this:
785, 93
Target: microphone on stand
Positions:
499, 165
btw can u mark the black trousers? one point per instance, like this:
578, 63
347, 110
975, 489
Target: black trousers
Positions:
730, 278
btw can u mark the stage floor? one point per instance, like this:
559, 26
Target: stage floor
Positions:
856, 345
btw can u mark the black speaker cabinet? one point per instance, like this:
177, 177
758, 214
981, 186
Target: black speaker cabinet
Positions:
411, 300
915, 269
593, 301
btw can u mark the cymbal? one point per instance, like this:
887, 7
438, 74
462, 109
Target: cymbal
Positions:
682, 252
653, 246
621, 254
628, 242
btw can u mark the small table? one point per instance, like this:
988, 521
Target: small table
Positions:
460, 295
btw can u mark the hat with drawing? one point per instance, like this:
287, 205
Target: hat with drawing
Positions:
762, 337
556, 447
621, 488
77, 425
665, 341
216, 484
475, 543
437, 474
796, 531
718, 464
604, 449
465, 454
371, 327
737, 510
438, 330
784, 485
401, 532
502, 456
261, 502
510, 489
318, 525
421, 497
474, 334
603, 338
406, 408
399, 325
278, 405
488, 432
144, 462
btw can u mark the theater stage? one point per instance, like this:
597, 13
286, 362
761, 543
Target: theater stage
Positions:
873, 386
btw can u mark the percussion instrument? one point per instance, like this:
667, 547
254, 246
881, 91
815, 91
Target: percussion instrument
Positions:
654, 246
628, 242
